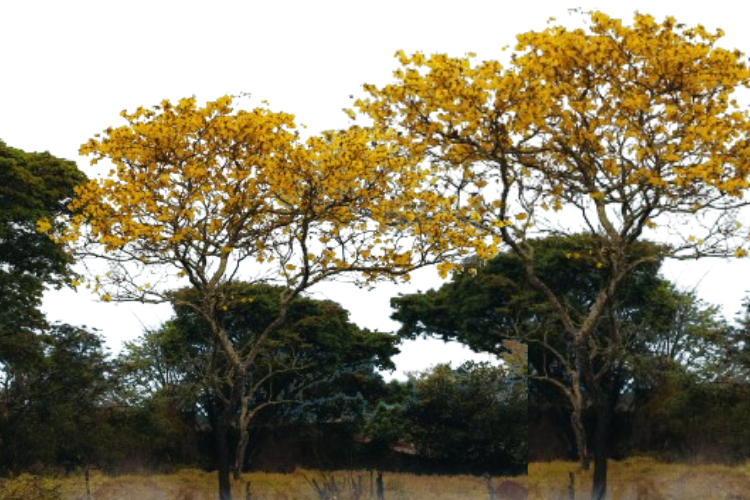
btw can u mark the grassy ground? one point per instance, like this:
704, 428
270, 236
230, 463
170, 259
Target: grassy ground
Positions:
199, 485
643, 479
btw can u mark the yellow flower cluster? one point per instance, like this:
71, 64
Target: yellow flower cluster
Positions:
204, 188
625, 123
636, 121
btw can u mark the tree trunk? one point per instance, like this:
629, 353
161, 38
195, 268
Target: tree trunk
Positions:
601, 448
241, 450
225, 460
576, 421
601, 414
225, 485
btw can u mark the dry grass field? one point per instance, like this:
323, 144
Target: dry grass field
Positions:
198, 485
632, 479
644, 479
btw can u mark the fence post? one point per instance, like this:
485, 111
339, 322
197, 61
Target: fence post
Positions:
88, 484
571, 486
248, 493
490, 487
372, 484
381, 493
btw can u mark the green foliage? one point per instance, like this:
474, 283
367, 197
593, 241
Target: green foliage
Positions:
319, 367
677, 329
317, 338
499, 303
53, 407
648, 323
161, 363
475, 415
32, 186
735, 362
386, 426
648, 318
686, 417
316, 332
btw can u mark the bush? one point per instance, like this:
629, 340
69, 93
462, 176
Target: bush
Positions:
28, 487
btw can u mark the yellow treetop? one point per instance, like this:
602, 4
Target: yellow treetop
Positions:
623, 128
212, 192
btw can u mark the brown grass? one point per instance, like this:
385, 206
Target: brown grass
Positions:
191, 484
644, 479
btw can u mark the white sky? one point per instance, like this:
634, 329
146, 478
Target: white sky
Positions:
69, 68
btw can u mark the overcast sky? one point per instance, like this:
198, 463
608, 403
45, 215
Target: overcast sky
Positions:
68, 68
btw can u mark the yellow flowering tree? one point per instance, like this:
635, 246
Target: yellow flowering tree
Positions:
621, 132
207, 195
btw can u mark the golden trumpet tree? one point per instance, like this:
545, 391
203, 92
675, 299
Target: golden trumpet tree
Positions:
210, 194
624, 132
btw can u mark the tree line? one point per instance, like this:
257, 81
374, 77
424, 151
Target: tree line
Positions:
148, 409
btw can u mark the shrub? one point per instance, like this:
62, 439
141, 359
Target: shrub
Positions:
28, 487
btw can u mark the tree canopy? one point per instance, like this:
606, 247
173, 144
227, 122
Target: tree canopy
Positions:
32, 186
497, 302
198, 192
317, 343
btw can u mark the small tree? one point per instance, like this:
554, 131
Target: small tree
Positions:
474, 416
498, 306
298, 375
54, 406
648, 324
622, 132
208, 195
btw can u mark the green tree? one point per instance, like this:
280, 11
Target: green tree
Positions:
301, 373
54, 406
32, 186
647, 322
499, 303
474, 416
